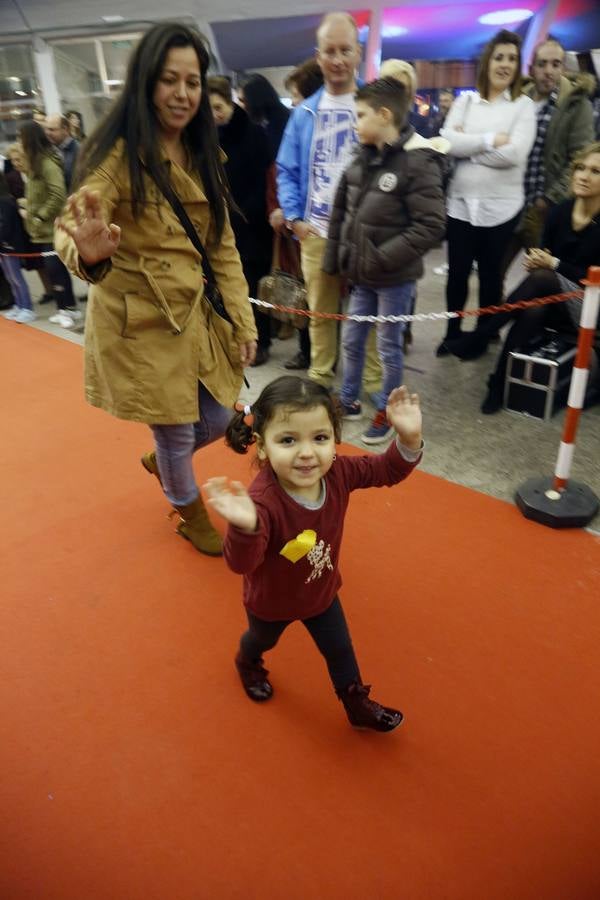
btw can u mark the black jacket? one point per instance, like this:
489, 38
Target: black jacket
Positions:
248, 159
13, 237
388, 211
575, 250
69, 155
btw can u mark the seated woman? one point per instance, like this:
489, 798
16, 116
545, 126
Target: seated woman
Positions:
572, 244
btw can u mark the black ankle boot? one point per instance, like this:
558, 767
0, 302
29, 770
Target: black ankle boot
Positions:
493, 399
254, 678
365, 713
468, 346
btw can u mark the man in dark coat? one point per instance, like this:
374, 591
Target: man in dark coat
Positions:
57, 131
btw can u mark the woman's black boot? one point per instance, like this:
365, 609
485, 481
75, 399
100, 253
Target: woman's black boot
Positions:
493, 399
468, 346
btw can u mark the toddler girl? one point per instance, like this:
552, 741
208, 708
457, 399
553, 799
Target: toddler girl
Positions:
285, 532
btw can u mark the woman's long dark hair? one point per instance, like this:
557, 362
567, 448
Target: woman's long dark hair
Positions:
36, 146
264, 107
134, 119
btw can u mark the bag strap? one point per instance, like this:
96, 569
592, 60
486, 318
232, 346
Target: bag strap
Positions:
276, 252
179, 210
293, 245
209, 275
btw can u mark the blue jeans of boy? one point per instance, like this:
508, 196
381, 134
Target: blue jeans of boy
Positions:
385, 301
12, 270
176, 445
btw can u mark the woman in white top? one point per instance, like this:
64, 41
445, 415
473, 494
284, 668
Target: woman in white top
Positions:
491, 133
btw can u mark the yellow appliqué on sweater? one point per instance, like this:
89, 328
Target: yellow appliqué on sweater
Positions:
318, 556
300, 546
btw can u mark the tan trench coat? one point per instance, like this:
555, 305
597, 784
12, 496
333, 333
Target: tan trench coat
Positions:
149, 332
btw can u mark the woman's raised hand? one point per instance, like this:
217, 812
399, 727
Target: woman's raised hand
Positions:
233, 502
94, 239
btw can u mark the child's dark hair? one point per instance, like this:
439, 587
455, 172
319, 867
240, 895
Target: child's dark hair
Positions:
295, 394
388, 92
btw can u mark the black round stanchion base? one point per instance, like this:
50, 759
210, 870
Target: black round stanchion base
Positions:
573, 507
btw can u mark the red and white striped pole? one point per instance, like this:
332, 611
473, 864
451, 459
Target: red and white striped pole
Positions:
561, 503
579, 378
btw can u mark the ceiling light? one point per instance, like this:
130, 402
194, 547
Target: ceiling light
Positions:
13, 78
112, 20
505, 17
21, 93
389, 31
114, 81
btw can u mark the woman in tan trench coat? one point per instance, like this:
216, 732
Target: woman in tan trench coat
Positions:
155, 349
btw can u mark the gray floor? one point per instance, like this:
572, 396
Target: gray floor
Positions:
492, 454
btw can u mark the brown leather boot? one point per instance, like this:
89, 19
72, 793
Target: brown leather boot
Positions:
196, 527
148, 461
253, 676
365, 713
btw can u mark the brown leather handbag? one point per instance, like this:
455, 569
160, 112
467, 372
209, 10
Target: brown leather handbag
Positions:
284, 288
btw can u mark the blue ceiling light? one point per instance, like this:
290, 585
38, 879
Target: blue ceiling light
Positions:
505, 17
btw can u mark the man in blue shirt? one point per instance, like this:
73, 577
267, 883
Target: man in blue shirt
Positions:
317, 146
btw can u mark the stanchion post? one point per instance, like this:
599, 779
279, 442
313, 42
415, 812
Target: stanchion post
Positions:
559, 502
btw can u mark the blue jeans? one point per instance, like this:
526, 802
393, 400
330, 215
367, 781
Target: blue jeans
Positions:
176, 445
12, 270
385, 301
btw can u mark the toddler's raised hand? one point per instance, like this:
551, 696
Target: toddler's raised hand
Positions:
403, 411
232, 501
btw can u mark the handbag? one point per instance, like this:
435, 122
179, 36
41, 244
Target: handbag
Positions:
220, 319
284, 289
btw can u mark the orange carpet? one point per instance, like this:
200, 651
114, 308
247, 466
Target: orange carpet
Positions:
132, 766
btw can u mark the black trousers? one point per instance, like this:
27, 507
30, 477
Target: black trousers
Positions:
304, 341
328, 630
468, 244
253, 272
59, 275
528, 323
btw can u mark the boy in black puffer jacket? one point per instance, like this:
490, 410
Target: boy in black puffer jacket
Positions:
389, 210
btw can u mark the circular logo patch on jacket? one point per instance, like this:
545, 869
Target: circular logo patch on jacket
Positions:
388, 182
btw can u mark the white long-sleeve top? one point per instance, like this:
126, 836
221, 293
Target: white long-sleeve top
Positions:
486, 188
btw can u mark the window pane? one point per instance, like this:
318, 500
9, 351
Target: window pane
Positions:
79, 80
19, 92
116, 58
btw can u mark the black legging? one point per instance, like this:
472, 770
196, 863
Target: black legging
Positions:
61, 280
328, 630
467, 243
527, 322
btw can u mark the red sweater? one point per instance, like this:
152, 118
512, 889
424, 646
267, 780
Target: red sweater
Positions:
276, 588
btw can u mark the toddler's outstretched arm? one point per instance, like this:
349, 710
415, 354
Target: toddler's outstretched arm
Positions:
232, 501
403, 412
